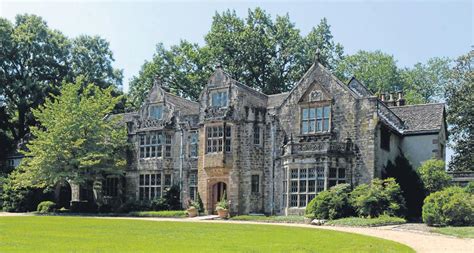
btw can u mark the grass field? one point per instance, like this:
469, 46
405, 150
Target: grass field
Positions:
78, 234
462, 232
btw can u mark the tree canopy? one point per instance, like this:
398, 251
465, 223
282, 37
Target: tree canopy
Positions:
460, 113
35, 61
267, 54
76, 141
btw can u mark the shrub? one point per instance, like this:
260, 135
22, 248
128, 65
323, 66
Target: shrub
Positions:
18, 198
133, 205
46, 207
380, 197
434, 176
159, 204
200, 204
382, 220
162, 214
331, 204
470, 187
171, 196
451, 206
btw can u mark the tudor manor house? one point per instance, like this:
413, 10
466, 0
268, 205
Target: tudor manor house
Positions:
270, 153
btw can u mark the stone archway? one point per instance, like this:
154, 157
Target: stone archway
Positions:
217, 192
63, 194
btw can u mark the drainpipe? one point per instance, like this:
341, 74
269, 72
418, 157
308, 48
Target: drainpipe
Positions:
272, 129
181, 164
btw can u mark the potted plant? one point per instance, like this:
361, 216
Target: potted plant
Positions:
193, 208
222, 207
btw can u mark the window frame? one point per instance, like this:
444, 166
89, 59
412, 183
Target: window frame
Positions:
218, 139
155, 145
150, 186
151, 110
255, 184
219, 95
315, 118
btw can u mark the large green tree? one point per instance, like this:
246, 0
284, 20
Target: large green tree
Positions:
268, 54
426, 82
35, 59
377, 70
460, 113
76, 141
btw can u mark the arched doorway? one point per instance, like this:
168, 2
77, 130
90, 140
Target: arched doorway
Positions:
218, 190
63, 194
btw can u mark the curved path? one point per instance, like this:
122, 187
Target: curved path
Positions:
420, 241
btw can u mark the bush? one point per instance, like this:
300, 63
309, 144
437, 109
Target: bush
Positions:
200, 204
46, 207
18, 198
162, 214
451, 206
382, 220
470, 187
171, 196
159, 204
380, 197
331, 204
434, 176
134, 205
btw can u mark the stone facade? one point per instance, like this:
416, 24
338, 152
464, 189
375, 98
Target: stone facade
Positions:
270, 153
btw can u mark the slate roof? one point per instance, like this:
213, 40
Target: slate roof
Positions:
276, 100
185, 106
420, 118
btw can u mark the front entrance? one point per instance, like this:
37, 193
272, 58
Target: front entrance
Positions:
63, 194
218, 190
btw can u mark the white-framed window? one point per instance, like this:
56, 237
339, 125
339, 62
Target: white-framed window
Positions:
315, 119
304, 184
155, 144
219, 99
155, 112
215, 139
193, 144
192, 181
256, 135
149, 186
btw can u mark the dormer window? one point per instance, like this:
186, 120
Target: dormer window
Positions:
315, 119
156, 112
219, 99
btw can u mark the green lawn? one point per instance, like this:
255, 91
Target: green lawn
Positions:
281, 219
78, 234
463, 232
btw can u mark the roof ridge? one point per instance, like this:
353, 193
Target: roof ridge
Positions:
179, 97
438, 103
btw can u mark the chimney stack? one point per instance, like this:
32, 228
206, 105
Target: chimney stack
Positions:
400, 100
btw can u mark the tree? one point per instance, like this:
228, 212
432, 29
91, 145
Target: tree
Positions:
35, 61
267, 54
432, 173
75, 142
460, 113
91, 59
377, 70
410, 184
425, 83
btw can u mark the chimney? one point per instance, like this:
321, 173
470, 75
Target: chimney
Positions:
400, 100
391, 101
382, 97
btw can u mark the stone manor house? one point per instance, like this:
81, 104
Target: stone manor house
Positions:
271, 153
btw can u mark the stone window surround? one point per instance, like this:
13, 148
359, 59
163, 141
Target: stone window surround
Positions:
325, 163
110, 186
221, 93
226, 138
157, 105
193, 144
161, 149
193, 185
314, 104
257, 135
255, 186
146, 187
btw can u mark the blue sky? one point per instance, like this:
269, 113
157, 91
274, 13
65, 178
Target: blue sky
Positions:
413, 31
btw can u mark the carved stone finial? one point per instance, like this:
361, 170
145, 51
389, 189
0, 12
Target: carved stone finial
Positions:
157, 81
317, 55
219, 66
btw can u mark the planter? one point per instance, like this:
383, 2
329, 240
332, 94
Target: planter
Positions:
192, 212
223, 213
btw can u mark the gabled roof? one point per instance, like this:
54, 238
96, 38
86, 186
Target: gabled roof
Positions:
185, 106
421, 118
276, 100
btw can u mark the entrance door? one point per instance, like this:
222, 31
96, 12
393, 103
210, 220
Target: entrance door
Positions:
218, 190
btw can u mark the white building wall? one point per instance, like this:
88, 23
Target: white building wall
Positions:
419, 148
